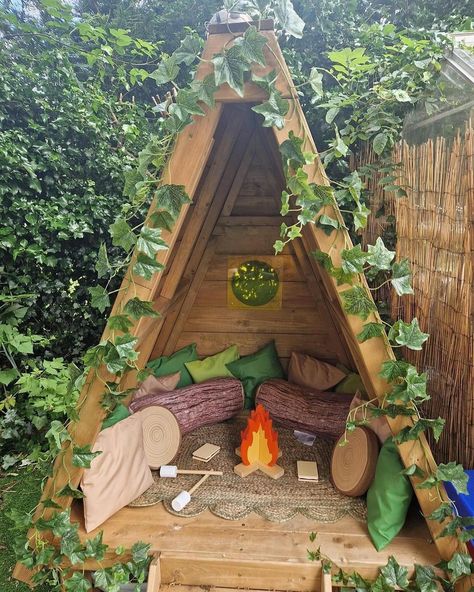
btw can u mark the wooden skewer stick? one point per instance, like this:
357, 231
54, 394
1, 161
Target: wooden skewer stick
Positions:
172, 471
183, 498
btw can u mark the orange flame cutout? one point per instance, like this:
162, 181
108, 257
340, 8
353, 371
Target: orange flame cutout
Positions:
259, 439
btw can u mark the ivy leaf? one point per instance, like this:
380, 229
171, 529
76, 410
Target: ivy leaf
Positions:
395, 575
443, 511
119, 323
58, 434
412, 388
205, 89
166, 71
71, 546
125, 347
137, 308
69, 491
425, 578
370, 330
230, 67
291, 153
353, 260
288, 19
77, 583
327, 224
360, 215
460, 565
122, 234
94, 356
379, 143
171, 198
323, 193
150, 241
315, 80
357, 301
379, 256
401, 277
162, 219
82, 456
190, 48
102, 265
273, 110
393, 369
95, 548
408, 433
140, 552
186, 105
413, 470
278, 246
267, 82
458, 526
455, 474
341, 276
146, 266
251, 46
324, 259
99, 297
408, 334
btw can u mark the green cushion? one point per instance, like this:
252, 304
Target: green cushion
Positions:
213, 366
254, 369
350, 384
175, 363
120, 412
388, 498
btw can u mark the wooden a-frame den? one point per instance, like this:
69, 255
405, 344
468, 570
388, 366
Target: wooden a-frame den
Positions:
231, 168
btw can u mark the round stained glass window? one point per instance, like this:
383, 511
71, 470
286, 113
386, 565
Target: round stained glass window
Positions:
255, 283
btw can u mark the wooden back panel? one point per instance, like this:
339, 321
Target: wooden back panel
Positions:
248, 224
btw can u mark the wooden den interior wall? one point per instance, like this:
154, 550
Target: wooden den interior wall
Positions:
236, 213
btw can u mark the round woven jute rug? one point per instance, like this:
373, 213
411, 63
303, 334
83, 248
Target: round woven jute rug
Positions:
233, 497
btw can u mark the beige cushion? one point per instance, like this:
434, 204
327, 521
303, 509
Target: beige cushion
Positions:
118, 475
379, 425
312, 373
152, 385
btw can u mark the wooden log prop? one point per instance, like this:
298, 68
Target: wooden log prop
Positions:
200, 404
317, 412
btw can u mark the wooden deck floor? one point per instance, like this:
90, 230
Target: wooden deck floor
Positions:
254, 553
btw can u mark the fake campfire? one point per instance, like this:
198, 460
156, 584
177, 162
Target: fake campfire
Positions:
259, 446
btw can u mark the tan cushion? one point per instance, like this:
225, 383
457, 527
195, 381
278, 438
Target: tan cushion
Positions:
118, 475
152, 385
312, 373
379, 425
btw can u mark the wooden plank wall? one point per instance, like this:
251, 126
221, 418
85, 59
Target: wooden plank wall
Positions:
248, 224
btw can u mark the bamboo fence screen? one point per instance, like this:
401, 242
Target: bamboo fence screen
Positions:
434, 226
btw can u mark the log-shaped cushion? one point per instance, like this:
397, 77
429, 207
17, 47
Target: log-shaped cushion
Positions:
353, 463
200, 404
313, 411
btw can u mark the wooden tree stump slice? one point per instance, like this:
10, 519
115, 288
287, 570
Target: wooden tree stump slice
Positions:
353, 465
161, 436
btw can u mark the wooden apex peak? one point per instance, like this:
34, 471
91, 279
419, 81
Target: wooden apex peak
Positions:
239, 27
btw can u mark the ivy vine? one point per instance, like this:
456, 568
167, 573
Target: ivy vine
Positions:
141, 243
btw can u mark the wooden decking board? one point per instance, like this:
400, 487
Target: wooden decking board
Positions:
253, 552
